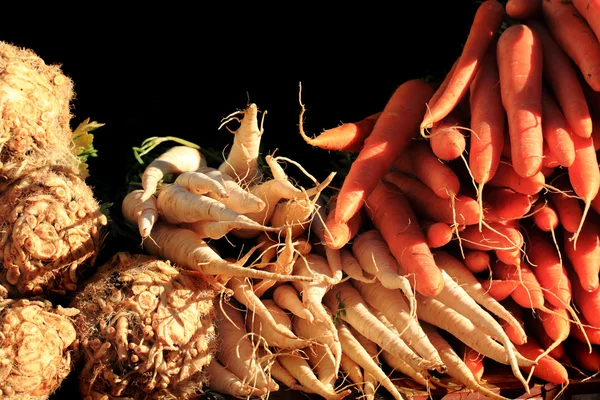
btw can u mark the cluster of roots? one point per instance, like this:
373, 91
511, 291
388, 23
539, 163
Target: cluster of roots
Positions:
51, 231
34, 114
145, 329
36, 345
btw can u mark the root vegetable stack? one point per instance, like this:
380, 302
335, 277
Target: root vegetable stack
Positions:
467, 224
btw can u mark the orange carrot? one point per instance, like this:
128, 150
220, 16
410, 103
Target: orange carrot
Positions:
392, 134
523, 9
575, 37
556, 131
591, 334
547, 368
515, 334
590, 10
445, 137
584, 176
519, 55
502, 204
499, 289
549, 270
472, 359
567, 206
477, 260
486, 22
420, 161
494, 236
393, 216
437, 234
349, 136
545, 216
583, 357
585, 259
487, 121
529, 293
462, 211
561, 76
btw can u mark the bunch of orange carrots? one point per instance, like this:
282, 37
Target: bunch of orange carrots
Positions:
466, 232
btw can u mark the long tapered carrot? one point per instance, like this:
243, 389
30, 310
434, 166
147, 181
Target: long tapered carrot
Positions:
524, 9
561, 76
392, 134
487, 122
557, 131
394, 218
519, 55
575, 37
486, 22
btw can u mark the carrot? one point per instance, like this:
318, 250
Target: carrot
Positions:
549, 270
322, 361
286, 297
242, 160
529, 293
583, 357
499, 289
175, 160
507, 176
575, 37
547, 367
218, 229
584, 175
200, 183
437, 234
587, 302
477, 261
561, 76
393, 306
353, 371
337, 235
445, 137
487, 122
456, 366
346, 302
463, 210
394, 218
270, 364
512, 331
322, 335
349, 136
391, 135
584, 333
302, 371
472, 359
184, 247
546, 219
556, 131
352, 268
519, 56
420, 161
264, 334
222, 380
374, 256
584, 259
486, 22
494, 236
143, 214
238, 199
236, 352
567, 206
524, 9
501, 204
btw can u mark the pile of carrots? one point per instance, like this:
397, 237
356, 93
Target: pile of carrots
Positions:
467, 228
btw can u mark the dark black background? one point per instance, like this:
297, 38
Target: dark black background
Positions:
167, 69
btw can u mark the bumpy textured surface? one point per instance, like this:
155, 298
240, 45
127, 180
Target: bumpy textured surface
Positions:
36, 345
51, 231
146, 330
34, 114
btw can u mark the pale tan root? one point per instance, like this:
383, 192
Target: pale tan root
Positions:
242, 292
391, 304
346, 302
456, 366
269, 363
352, 268
286, 297
374, 256
199, 183
465, 278
219, 229
238, 199
185, 248
176, 160
256, 324
314, 292
303, 372
242, 160
323, 362
365, 353
144, 214
237, 353
222, 380
353, 371
437, 313
334, 257
321, 334
283, 265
